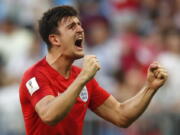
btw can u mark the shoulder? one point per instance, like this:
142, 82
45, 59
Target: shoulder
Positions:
30, 76
33, 70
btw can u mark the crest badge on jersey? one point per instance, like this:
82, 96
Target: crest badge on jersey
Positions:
84, 94
32, 85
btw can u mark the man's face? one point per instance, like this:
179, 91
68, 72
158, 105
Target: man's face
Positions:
71, 38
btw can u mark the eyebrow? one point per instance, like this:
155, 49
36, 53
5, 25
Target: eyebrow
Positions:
72, 24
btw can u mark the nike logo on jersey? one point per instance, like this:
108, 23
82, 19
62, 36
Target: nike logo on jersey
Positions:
32, 85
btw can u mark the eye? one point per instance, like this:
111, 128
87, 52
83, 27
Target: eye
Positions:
72, 26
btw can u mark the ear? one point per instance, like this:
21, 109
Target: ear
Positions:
54, 40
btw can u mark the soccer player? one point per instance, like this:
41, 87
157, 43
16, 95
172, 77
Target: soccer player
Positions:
55, 95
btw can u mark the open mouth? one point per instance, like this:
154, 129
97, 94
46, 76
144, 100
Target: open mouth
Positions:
78, 43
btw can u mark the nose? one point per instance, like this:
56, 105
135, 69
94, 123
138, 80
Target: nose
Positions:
80, 29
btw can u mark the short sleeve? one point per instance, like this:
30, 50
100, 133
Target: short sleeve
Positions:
38, 86
98, 95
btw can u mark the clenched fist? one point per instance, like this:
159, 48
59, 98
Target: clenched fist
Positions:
90, 67
157, 75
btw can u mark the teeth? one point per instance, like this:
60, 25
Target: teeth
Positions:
79, 37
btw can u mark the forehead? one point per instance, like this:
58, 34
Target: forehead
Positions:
68, 20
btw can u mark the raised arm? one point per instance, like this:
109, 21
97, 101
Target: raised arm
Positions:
123, 114
53, 109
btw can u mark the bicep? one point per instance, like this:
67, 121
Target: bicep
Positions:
112, 111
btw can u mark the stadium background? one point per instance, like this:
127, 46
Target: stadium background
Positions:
126, 35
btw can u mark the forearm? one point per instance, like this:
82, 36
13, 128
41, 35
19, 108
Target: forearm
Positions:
135, 106
123, 114
56, 109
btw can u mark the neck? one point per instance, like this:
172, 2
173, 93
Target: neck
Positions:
59, 63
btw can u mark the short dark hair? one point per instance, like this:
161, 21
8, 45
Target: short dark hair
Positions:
49, 21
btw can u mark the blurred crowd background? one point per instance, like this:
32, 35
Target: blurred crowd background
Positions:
125, 35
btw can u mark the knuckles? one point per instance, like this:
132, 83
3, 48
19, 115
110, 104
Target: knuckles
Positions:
91, 62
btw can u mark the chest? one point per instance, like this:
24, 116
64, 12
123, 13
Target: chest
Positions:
60, 86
